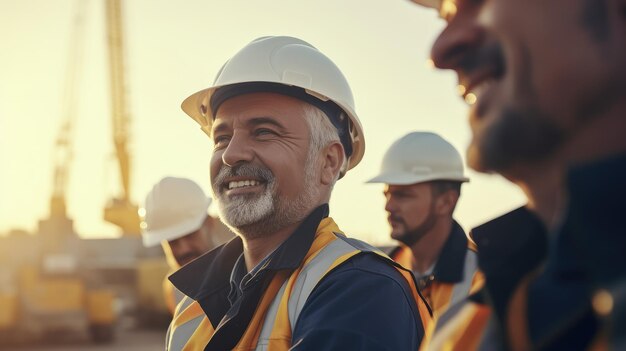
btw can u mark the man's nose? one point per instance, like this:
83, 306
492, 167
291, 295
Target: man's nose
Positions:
463, 35
180, 246
239, 150
389, 206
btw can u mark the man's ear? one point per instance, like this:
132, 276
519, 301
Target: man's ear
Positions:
331, 165
446, 202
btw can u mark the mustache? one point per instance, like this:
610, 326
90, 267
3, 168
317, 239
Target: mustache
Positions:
490, 54
243, 170
394, 218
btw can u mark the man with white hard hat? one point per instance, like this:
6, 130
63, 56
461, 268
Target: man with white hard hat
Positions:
284, 129
175, 216
423, 174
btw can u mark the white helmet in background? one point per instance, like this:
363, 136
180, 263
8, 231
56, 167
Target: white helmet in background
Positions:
420, 157
436, 4
288, 66
174, 208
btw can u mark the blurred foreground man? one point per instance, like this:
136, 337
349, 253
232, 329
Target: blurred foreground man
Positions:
547, 83
175, 216
423, 174
282, 120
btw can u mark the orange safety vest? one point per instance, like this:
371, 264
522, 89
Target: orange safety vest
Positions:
473, 324
455, 275
277, 312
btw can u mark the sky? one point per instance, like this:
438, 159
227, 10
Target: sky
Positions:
173, 49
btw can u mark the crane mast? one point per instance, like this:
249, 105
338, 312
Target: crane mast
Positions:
120, 211
59, 225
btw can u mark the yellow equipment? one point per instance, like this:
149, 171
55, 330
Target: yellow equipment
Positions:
152, 307
55, 298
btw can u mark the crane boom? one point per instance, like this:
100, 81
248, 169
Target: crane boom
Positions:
63, 144
120, 211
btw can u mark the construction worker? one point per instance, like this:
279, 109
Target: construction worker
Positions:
423, 174
175, 216
282, 120
546, 80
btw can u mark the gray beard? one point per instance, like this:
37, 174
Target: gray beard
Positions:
255, 216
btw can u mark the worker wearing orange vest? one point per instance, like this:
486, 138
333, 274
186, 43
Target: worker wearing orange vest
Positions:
284, 129
423, 174
175, 215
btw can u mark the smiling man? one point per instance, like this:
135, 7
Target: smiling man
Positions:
284, 129
547, 83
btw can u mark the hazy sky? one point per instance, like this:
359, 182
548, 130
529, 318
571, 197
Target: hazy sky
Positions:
174, 48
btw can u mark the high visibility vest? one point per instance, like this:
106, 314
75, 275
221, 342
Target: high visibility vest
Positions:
441, 295
473, 324
273, 321
173, 297
465, 326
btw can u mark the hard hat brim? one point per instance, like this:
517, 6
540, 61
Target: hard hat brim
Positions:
153, 237
435, 4
199, 101
410, 178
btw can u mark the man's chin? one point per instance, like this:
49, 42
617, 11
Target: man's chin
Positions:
241, 217
397, 236
475, 159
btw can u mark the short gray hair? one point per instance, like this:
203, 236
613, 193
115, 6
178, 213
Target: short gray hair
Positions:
322, 133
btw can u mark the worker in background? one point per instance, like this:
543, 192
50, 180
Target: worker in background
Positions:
547, 85
423, 174
284, 129
175, 216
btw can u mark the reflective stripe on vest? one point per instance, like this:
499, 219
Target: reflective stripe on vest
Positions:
286, 307
461, 290
189, 315
460, 328
445, 295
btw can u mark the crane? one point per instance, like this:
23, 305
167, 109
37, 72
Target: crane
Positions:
58, 225
120, 210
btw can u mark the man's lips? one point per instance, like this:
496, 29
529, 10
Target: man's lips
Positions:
479, 71
241, 185
394, 221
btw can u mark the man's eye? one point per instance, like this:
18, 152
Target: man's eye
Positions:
264, 131
220, 141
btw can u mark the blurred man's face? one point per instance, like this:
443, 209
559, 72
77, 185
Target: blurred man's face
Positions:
411, 211
261, 174
534, 72
191, 246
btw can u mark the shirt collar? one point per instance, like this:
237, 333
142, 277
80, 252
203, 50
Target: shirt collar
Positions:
517, 238
449, 266
509, 247
591, 239
240, 277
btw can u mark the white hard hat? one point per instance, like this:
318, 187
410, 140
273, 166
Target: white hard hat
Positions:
174, 208
288, 66
436, 4
420, 157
